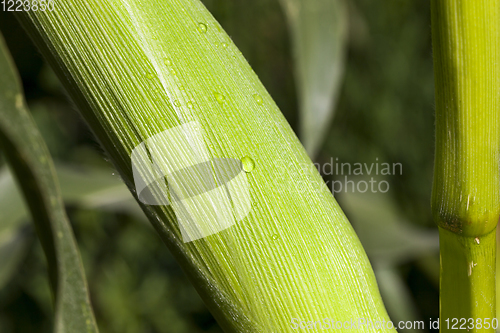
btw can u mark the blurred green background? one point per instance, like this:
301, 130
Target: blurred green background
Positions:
385, 111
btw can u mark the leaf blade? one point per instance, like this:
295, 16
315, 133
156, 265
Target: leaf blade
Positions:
139, 81
319, 38
29, 159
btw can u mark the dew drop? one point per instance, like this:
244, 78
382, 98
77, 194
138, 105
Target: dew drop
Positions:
220, 98
248, 164
190, 105
177, 103
258, 99
150, 76
167, 62
181, 88
202, 27
173, 72
224, 45
275, 236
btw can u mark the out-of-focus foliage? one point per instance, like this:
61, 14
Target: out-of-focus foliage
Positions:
318, 31
385, 111
390, 241
31, 163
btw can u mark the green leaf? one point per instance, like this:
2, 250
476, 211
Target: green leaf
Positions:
163, 81
96, 188
396, 295
389, 240
13, 248
84, 187
81, 186
385, 234
13, 235
28, 157
12, 205
319, 35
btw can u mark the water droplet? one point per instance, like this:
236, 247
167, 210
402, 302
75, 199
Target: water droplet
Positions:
150, 76
224, 45
220, 98
248, 164
258, 99
202, 27
167, 62
173, 72
190, 105
275, 236
181, 88
177, 103
156, 91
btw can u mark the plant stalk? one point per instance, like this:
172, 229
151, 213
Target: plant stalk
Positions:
467, 281
466, 193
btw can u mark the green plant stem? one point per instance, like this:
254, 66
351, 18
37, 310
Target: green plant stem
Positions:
466, 194
467, 280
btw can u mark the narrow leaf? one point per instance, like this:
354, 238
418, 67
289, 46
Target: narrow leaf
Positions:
397, 296
13, 247
384, 232
319, 34
28, 156
84, 187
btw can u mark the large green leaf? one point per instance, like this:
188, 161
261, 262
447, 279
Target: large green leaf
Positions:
319, 33
28, 156
160, 82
